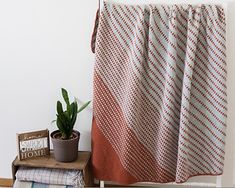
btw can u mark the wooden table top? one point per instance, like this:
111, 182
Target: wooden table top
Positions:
50, 162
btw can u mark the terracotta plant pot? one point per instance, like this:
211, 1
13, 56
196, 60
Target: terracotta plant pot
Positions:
65, 150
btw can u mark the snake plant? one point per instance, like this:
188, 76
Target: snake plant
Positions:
66, 118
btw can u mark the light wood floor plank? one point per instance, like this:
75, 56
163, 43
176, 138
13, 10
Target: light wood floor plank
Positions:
5, 182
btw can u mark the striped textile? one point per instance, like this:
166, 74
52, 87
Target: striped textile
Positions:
73, 178
160, 104
93, 38
27, 184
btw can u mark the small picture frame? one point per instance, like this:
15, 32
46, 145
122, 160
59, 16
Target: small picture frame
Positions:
33, 144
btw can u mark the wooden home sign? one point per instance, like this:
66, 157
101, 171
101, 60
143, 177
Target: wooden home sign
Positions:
33, 144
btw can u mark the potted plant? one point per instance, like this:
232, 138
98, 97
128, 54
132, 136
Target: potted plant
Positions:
65, 139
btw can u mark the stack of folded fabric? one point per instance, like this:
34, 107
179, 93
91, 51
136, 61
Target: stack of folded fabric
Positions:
27, 177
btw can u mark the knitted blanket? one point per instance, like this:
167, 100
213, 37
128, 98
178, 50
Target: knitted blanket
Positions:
30, 184
48, 177
160, 104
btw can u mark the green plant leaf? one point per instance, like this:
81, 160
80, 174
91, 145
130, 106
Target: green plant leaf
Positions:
69, 133
73, 120
74, 109
62, 119
83, 106
60, 126
65, 95
53, 121
67, 115
59, 107
74, 106
66, 118
63, 127
66, 99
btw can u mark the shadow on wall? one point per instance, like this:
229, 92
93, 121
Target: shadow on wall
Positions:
85, 136
84, 126
229, 169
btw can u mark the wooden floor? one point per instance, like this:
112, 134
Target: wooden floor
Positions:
5, 182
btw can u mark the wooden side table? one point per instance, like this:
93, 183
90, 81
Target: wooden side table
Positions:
82, 163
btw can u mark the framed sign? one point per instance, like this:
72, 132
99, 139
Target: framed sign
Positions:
33, 144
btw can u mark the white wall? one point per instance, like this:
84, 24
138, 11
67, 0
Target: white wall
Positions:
45, 45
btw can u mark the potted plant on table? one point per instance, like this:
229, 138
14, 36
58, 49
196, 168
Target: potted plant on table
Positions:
65, 139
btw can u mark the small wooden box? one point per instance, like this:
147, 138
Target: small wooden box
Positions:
82, 163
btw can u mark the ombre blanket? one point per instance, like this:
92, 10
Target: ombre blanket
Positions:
160, 102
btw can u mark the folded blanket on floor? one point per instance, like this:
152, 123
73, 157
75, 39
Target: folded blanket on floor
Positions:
51, 176
27, 184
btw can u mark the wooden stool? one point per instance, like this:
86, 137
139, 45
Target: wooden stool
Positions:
83, 163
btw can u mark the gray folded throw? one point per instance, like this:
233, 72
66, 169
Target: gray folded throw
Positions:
51, 176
